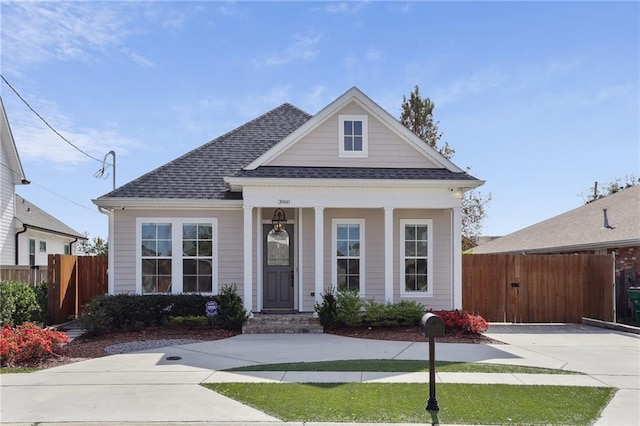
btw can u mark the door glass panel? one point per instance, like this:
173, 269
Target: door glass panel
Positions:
278, 248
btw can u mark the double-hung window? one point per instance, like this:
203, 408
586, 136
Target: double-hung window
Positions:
348, 254
353, 136
416, 257
176, 255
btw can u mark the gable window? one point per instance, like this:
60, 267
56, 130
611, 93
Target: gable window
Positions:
416, 263
353, 135
43, 246
348, 254
176, 256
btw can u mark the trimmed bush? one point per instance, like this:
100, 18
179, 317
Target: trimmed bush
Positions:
17, 303
328, 310
126, 311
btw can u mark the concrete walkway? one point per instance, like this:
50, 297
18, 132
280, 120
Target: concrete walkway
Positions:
162, 386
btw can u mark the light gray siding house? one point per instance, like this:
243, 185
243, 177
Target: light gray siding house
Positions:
289, 205
27, 233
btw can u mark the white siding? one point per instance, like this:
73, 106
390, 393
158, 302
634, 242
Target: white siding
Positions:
320, 147
55, 245
7, 212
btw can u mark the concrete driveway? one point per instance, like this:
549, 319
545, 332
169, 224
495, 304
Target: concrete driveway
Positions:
152, 387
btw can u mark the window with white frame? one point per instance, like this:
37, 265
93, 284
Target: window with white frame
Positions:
176, 255
353, 135
67, 249
43, 246
348, 254
416, 263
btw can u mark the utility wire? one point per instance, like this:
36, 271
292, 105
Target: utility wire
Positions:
45, 121
48, 190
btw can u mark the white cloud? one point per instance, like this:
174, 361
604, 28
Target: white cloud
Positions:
345, 7
137, 58
37, 142
474, 84
373, 54
304, 47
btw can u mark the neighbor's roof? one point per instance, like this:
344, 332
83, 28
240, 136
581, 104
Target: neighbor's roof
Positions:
33, 217
579, 229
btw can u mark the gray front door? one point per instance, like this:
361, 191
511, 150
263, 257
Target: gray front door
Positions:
278, 268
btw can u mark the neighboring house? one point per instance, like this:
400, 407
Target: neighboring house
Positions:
609, 224
290, 205
27, 233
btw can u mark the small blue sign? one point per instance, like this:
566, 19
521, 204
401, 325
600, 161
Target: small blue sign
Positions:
212, 308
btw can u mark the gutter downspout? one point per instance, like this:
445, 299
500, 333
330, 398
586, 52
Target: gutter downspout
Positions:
24, 229
110, 253
71, 245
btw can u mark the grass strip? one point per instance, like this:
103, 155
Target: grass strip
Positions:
405, 403
401, 366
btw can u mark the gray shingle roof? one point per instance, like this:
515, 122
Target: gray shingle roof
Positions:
580, 228
199, 173
352, 173
31, 215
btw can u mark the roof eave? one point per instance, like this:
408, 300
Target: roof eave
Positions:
115, 203
600, 245
237, 183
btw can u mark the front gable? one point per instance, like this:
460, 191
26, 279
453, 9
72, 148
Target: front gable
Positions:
386, 143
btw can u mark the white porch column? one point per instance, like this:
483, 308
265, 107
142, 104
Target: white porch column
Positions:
300, 263
319, 258
259, 266
456, 257
248, 260
388, 254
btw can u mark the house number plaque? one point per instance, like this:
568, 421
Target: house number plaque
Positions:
281, 201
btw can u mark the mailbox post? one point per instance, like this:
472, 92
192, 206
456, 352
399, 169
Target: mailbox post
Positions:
432, 326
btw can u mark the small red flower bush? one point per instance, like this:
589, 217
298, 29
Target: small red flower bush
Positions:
27, 342
458, 322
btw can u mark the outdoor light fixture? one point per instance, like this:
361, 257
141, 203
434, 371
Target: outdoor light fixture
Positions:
279, 220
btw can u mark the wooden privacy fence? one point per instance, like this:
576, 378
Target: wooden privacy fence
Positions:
24, 274
72, 282
538, 288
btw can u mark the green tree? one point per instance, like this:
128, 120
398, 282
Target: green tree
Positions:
96, 247
609, 188
417, 116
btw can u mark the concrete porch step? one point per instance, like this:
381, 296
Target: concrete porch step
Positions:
282, 323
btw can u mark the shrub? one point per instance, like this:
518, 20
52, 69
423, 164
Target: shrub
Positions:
125, 311
406, 312
190, 321
17, 303
328, 310
349, 309
28, 342
231, 312
458, 322
42, 299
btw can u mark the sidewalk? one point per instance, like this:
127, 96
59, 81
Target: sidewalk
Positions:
154, 387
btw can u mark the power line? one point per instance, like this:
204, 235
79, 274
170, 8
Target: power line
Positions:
45, 121
48, 190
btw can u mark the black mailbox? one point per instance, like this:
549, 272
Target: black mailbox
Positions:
431, 325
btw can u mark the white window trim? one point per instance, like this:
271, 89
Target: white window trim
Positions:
40, 246
176, 247
403, 291
365, 136
334, 249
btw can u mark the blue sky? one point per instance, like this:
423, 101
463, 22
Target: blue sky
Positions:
541, 99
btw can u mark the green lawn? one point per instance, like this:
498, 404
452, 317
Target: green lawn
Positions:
401, 402
12, 370
398, 366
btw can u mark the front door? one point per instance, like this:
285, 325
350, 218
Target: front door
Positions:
278, 268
